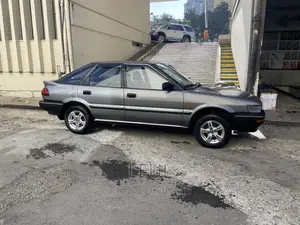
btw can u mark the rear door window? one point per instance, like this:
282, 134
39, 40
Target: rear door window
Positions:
75, 77
188, 29
179, 28
105, 76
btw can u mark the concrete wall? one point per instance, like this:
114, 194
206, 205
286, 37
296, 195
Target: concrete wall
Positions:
240, 38
106, 30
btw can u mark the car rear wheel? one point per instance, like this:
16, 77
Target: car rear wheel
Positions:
186, 39
77, 119
212, 131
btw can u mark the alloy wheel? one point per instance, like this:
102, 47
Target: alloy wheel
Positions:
212, 132
77, 120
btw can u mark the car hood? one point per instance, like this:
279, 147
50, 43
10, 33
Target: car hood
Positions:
221, 91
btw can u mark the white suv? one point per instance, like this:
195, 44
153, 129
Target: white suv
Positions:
175, 32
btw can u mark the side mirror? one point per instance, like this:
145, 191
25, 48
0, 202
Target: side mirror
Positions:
167, 86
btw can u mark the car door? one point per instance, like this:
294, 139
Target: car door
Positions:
146, 102
171, 32
103, 92
179, 32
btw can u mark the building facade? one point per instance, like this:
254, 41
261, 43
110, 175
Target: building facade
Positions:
43, 39
265, 44
198, 5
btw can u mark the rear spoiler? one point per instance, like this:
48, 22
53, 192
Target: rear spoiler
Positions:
50, 83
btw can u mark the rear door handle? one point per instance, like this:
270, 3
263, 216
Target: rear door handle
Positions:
131, 95
86, 92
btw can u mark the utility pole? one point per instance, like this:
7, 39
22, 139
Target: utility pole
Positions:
205, 13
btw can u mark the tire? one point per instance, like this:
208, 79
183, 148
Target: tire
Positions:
210, 136
161, 37
186, 39
84, 118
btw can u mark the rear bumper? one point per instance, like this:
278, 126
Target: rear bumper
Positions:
53, 108
249, 122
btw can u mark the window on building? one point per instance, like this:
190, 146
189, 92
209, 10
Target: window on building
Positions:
19, 33
106, 77
30, 27
42, 24
143, 78
54, 20
6, 20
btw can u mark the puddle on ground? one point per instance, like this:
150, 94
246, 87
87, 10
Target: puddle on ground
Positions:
53, 148
197, 195
117, 170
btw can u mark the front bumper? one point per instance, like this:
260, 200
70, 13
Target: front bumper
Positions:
247, 122
53, 108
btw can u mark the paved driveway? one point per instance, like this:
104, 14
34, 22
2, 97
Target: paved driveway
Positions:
136, 175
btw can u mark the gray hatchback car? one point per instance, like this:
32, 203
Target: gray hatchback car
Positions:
150, 93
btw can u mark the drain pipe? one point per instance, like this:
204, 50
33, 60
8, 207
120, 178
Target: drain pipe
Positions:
256, 34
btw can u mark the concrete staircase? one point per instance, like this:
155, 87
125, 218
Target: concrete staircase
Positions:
228, 70
194, 60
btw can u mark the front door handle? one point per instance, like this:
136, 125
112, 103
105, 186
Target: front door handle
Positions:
86, 92
131, 95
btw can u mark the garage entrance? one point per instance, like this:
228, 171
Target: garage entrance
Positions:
280, 59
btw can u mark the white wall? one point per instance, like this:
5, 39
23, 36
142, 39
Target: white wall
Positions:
240, 39
104, 30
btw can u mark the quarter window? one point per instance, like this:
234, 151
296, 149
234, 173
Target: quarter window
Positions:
143, 78
106, 77
76, 76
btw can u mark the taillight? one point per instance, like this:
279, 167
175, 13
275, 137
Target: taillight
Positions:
45, 92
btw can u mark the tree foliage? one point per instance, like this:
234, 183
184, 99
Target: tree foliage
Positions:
165, 19
218, 20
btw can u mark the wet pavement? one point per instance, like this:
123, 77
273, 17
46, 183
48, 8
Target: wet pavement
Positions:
139, 175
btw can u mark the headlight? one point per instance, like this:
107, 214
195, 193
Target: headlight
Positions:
254, 108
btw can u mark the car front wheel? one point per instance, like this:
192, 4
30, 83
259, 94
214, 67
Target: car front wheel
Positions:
212, 131
161, 38
77, 119
186, 39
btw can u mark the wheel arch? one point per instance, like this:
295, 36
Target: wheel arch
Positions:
224, 112
187, 35
161, 33
73, 103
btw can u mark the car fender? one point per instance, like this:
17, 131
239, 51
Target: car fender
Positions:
161, 32
205, 106
79, 100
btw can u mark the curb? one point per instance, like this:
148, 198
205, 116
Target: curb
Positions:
28, 107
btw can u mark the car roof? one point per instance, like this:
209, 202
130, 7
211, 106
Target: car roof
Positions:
180, 24
127, 62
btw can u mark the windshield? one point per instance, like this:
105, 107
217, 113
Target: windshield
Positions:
175, 75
